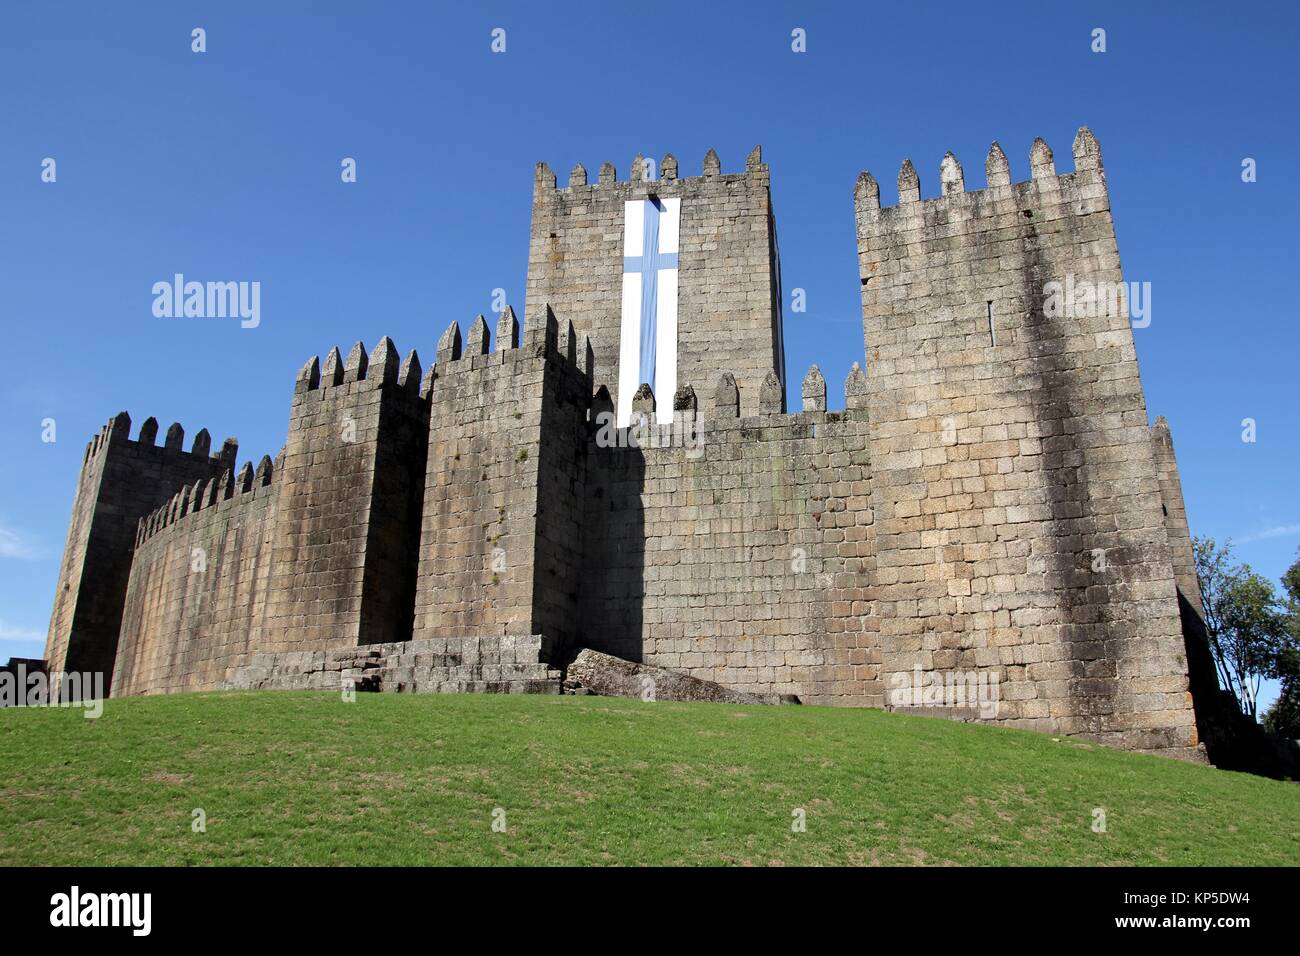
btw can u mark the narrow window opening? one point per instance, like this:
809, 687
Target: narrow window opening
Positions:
993, 332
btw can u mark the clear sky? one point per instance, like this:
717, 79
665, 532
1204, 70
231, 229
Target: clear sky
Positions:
225, 165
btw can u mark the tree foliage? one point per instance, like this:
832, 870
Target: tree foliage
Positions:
1252, 631
1284, 716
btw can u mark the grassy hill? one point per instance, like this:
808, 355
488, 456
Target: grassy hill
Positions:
300, 778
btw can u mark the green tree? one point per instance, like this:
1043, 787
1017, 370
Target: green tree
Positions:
1249, 627
1283, 717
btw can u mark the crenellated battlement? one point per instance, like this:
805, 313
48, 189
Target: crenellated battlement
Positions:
222, 491
955, 205
969, 271
643, 177
383, 366
117, 430
724, 399
544, 335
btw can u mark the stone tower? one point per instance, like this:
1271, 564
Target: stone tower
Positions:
1017, 498
347, 516
121, 481
501, 536
729, 285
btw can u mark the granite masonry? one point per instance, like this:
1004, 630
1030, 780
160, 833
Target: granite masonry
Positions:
989, 510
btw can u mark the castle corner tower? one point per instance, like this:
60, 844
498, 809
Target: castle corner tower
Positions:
1017, 498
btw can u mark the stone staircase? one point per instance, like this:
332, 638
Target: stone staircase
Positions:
510, 664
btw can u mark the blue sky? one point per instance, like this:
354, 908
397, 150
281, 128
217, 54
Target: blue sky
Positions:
225, 165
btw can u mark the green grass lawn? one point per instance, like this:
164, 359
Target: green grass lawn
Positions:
301, 778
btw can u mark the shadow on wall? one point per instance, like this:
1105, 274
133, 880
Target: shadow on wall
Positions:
613, 595
1232, 740
393, 544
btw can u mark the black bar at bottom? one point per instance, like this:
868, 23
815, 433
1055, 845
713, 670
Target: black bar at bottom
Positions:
350, 904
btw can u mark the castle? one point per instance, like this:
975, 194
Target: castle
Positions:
991, 500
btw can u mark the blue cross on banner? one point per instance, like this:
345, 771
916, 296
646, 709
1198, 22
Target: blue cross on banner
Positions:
648, 343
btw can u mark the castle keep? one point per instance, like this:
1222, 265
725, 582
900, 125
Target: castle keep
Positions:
990, 501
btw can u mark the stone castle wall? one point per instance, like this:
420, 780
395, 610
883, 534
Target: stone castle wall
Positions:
743, 555
990, 501
321, 557
197, 596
